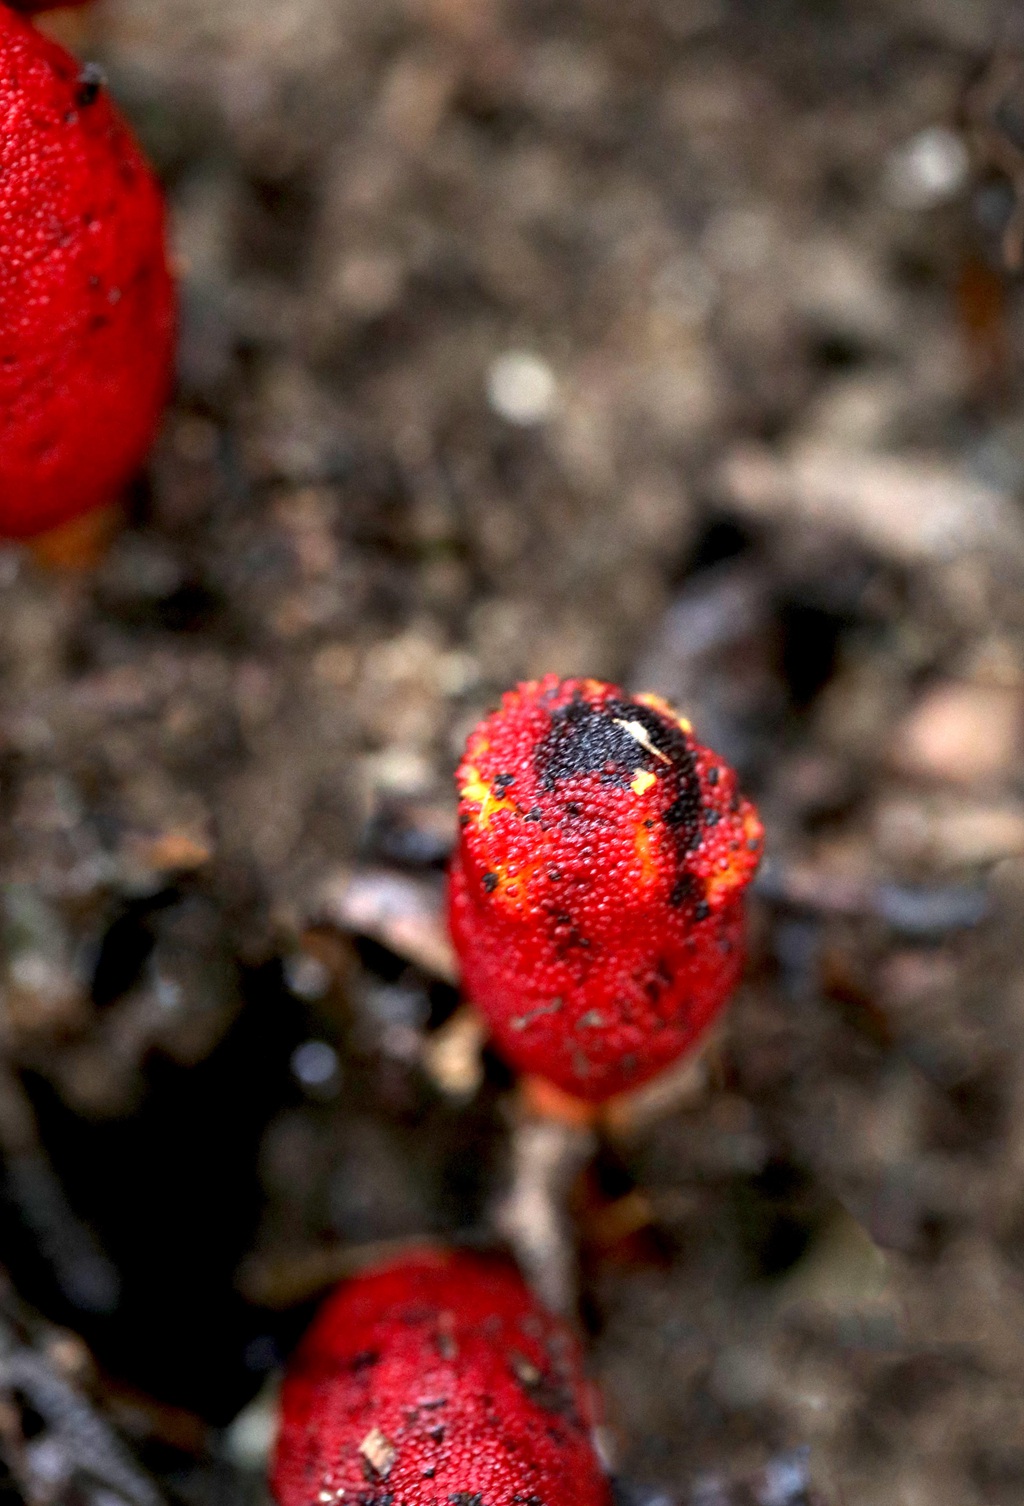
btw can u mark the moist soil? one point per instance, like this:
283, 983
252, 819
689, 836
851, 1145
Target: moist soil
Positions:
675, 343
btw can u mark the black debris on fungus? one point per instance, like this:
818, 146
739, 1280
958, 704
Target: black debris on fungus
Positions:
90, 82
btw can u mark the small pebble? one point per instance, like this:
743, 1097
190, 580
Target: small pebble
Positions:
961, 732
315, 1065
521, 388
927, 170
248, 1440
785, 1480
306, 976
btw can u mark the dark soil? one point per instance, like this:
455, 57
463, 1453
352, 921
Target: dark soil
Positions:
766, 456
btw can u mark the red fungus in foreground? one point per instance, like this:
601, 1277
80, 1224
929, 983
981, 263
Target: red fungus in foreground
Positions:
86, 301
433, 1381
596, 892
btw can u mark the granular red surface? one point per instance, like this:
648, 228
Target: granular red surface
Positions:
438, 1380
86, 301
595, 896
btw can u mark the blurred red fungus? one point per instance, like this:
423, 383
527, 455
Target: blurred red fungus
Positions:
596, 893
86, 300
437, 1380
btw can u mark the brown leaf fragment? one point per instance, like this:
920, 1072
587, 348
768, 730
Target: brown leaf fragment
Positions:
379, 1452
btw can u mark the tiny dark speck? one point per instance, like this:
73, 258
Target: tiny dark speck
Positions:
712, 818
684, 810
490, 882
713, 776
701, 910
90, 82
503, 781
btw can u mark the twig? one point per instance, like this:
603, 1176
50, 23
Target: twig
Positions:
547, 1156
76, 1450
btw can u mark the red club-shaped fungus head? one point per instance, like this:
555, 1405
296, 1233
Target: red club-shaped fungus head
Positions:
86, 301
436, 1382
596, 893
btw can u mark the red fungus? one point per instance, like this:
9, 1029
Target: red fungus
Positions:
596, 893
86, 301
433, 1381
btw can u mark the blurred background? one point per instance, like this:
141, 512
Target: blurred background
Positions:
676, 342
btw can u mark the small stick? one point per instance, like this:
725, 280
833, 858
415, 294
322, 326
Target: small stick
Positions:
547, 1156
84, 1273
76, 1453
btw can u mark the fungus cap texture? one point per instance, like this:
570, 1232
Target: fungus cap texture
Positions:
435, 1381
595, 896
86, 300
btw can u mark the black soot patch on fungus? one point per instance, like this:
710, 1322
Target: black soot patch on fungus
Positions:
549, 1392
88, 85
613, 739
616, 738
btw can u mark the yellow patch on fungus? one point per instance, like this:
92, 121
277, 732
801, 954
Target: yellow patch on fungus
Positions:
480, 792
642, 781
475, 788
719, 886
734, 869
647, 855
661, 706
511, 890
